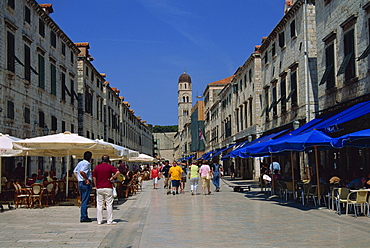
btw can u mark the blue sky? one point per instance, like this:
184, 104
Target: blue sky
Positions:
144, 45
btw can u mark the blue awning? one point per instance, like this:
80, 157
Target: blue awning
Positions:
192, 156
219, 151
240, 152
360, 139
331, 123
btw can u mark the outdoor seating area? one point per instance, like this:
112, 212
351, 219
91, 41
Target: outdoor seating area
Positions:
340, 199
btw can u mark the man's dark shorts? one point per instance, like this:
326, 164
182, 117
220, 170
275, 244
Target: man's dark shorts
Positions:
175, 183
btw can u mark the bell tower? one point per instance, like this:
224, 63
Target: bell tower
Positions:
184, 100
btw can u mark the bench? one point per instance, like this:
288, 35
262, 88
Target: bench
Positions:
241, 188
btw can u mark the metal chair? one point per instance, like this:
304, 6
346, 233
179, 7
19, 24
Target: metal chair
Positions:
361, 200
289, 190
341, 198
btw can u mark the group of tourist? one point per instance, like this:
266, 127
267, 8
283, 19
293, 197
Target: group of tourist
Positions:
176, 175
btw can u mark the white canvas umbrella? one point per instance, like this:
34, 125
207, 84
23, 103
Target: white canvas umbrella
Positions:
142, 158
6, 149
63, 144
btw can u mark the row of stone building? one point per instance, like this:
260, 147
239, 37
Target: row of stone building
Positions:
313, 63
48, 85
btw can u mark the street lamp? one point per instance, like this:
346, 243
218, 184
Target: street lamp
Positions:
295, 125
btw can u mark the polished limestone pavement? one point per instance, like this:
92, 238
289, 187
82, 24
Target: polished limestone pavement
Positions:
154, 219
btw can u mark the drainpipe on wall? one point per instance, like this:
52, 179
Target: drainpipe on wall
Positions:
307, 75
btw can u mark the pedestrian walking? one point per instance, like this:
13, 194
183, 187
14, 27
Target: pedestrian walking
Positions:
84, 176
217, 173
193, 177
183, 177
175, 174
232, 171
154, 174
167, 179
104, 174
206, 175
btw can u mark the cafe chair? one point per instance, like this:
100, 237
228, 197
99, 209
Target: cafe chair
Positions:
36, 194
50, 193
341, 198
61, 194
359, 201
314, 194
21, 196
289, 190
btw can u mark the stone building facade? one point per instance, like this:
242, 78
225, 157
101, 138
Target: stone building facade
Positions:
212, 108
343, 38
165, 144
289, 68
48, 85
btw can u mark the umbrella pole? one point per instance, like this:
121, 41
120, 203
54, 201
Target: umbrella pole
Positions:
25, 170
292, 167
67, 174
317, 176
1, 169
272, 176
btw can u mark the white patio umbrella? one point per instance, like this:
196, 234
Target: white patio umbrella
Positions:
142, 158
126, 155
6, 149
63, 144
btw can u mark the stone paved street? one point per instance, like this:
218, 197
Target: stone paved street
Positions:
154, 219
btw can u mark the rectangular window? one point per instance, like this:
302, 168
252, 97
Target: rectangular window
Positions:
72, 92
63, 86
53, 73
41, 71
349, 52
273, 49
274, 101
292, 29
27, 115
92, 76
283, 94
267, 103
72, 128
42, 28
329, 76
53, 39
281, 40
54, 123
241, 118
63, 49
237, 119
11, 4
87, 71
246, 114
63, 126
10, 110
250, 113
266, 58
10, 52
293, 88
27, 63
250, 75
27, 15
72, 58
241, 84
41, 119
